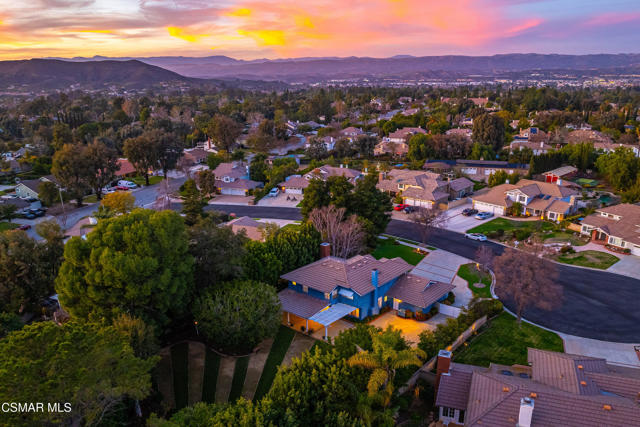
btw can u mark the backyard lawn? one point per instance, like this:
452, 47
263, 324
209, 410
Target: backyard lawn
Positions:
239, 374
508, 225
4, 226
276, 355
180, 367
472, 275
505, 343
386, 249
211, 368
593, 259
563, 237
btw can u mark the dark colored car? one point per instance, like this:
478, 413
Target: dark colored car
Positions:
29, 215
409, 209
24, 227
469, 212
36, 212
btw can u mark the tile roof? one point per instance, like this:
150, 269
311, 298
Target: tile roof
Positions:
245, 184
300, 304
460, 184
354, 273
125, 167
453, 391
498, 194
627, 228
295, 182
419, 291
561, 171
31, 184
327, 171
231, 169
245, 221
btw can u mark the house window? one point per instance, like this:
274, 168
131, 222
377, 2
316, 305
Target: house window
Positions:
334, 293
461, 417
305, 289
448, 412
522, 199
327, 295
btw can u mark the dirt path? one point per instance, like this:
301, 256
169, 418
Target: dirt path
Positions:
254, 371
299, 345
165, 377
197, 352
225, 378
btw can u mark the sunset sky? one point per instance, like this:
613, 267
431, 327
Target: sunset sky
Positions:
296, 28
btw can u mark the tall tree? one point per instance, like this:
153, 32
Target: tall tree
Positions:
119, 202
136, 263
316, 195
142, 154
88, 366
71, 168
103, 161
345, 234
192, 202
488, 129
526, 280
224, 131
207, 182
168, 151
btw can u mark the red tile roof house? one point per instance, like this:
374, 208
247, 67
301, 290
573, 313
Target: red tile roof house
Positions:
423, 189
402, 135
324, 172
546, 200
233, 179
617, 226
556, 389
331, 288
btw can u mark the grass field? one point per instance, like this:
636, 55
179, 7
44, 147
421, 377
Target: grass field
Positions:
180, 366
239, 374
276, 355
593, 259
472, 275
386, 249
508, 225
4, 226
563, 237
505, 343
211, 368
140, 180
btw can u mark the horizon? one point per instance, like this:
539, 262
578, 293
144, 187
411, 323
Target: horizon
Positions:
269, 29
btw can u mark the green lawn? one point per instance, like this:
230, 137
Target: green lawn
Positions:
180, 366
508, 225
276, 355
239, 374
139, 180
505, 343
413, 242
4, 226
386, 249
472, 275
292, 227
593, 259
210, 379
563, 237
92, 198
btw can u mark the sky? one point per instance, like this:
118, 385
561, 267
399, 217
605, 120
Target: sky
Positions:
250, 29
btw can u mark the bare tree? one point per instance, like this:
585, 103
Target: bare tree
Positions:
428, 220
484, 257
185, 164
345, 235
163, 199
527, 280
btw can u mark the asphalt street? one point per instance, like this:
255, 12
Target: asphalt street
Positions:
596, 304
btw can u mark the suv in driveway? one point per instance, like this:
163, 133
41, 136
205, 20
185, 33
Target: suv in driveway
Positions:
484, 215
469, 211
274, 192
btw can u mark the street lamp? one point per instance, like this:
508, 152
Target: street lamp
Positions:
196, 323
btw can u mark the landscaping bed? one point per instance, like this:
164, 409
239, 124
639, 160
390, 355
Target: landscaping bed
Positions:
593, 259
388, 248
472, 275
502, 341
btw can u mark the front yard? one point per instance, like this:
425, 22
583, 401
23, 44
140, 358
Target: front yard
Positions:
140, 181
508, 225
388, 248
593, 259
472, 275
504, 342
564, 237
4, 226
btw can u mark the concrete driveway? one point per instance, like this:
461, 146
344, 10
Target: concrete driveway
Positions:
281, 200
223, 199
440, 265
460, 223
629, 265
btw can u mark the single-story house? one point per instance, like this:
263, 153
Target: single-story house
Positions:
125, 168
460, 131
232, 179
402, 135
326, 171
560, 174
196, 155
351, 133
554, 389
543, 199
609, 147
389, 147
617, 225
331, 288
584, 135
537, 148
251, 227
28, 189
294, 184
478, 170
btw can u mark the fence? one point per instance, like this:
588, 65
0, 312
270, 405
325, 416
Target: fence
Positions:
449, 310
425, 371
455, 203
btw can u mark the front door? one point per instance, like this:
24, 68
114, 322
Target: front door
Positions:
380, 302
396, 304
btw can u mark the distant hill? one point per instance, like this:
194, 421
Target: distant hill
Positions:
400, 65
58, 74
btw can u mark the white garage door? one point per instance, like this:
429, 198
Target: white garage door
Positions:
293, 190
486, 207
419, 203
233, 191
635, 250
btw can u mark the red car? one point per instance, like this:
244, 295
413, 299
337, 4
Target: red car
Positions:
122, 188
24, 227
399, 207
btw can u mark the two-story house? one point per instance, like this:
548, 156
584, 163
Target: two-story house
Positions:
233, 179
331, 288
552, 201
324, 172
617, 226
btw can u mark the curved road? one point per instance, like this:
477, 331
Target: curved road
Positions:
597, 304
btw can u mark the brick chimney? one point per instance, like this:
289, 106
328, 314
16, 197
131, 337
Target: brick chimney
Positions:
526, 412
443, 363
325, 249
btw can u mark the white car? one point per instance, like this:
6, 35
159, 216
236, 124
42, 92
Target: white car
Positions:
128, 184
274, 192
476, 236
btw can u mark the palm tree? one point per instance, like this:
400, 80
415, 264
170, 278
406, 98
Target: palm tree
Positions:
389, 353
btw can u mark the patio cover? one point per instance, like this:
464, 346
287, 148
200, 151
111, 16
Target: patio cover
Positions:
331, 314
300, 304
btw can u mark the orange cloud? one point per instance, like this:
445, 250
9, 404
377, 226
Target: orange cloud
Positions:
92, 31
243, 11
265, 37
182, 34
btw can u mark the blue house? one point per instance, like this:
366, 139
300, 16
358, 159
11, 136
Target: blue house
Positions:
331, 288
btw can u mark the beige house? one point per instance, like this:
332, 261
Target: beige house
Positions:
617, 226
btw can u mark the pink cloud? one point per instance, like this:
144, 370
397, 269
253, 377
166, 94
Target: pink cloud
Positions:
612, 18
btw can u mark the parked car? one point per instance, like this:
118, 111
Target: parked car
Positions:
24, 227
409, 209
274, 192
29, 215
469, 212
400, 207
128, 184
36, 212
484, 215
122, 188
476, 236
